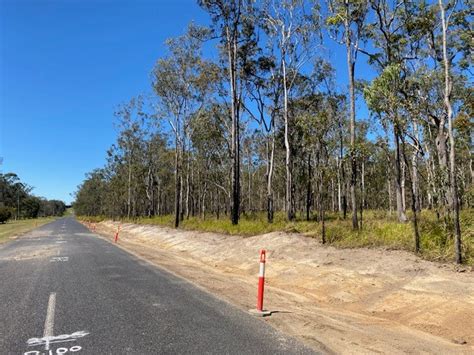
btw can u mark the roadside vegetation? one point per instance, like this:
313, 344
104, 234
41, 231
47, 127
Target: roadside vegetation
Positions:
69, 212
18, 202
14, 228
263, 134
380, 230
20, 210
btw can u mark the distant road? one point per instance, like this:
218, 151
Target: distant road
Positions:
63, 290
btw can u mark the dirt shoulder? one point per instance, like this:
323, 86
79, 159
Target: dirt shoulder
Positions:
334, 300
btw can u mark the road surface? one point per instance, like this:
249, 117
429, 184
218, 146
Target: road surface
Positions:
64, 290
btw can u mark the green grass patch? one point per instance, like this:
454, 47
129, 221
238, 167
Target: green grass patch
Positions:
12, 228
69, 212
93, 219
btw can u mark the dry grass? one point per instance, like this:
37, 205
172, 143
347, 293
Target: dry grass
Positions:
379, 230
13, 228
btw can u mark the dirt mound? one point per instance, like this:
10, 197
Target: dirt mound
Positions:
336, 300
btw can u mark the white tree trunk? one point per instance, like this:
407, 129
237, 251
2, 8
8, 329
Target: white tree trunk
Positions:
452, 150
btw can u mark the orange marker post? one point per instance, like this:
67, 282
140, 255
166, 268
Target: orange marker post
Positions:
261, 287
117, 234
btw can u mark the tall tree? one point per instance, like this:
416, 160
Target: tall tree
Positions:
182, 82
351, 16
130, 122
233, 23
264, 89
448, 85
293, 31
389, 36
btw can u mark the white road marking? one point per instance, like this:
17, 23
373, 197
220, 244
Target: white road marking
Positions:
48, 337
49, 322
46, 340
59, 258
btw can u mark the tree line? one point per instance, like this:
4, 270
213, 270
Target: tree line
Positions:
262, 123
17, 201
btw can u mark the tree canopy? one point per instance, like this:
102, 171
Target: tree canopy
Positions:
260, 125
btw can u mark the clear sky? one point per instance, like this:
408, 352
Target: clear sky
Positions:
64, 67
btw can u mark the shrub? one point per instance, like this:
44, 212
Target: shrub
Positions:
5, 214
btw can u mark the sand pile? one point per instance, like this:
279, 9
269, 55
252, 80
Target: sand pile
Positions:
335, 300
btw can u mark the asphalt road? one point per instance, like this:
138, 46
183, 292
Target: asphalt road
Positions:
64, 290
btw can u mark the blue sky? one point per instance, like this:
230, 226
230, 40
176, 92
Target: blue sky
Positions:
64, 67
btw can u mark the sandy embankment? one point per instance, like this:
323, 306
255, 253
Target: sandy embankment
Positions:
334, 300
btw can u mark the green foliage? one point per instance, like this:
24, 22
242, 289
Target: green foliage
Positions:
5, 214
91, 195
383, 94
379, 231
16, 195
266, 105
92, 219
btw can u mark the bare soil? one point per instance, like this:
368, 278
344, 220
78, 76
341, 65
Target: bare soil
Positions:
27, 252
334, 300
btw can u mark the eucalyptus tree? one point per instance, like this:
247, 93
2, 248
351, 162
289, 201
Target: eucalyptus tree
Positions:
8, 188
336, 108
312, 109
156, 171
20, 189
305, 138
14, 193
115, 176
264, 91
448, 85
16, 199
337, 104
391, 89
383, 97
317, 128
350, 15
130, 122
390, 35
182, 82
212, 144
464, 153
233, 23
292, 30
91, 195
442, 87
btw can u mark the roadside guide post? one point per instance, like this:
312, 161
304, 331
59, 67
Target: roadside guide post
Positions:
117, 234
261, 286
